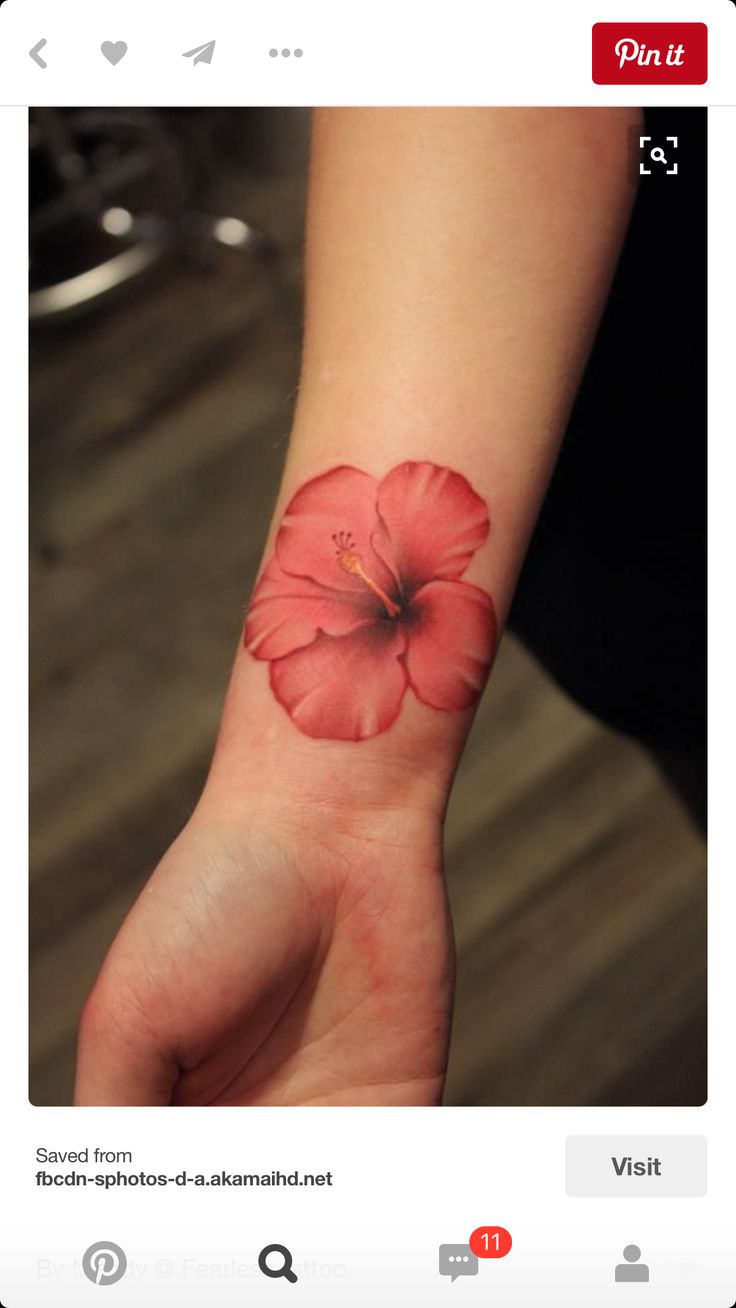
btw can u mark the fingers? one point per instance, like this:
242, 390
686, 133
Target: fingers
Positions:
120, 1061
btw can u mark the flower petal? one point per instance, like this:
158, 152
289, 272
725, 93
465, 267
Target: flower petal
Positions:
345, 687
342, 500
432, 522
451, 643
286, 613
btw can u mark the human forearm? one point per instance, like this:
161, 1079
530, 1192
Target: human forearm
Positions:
293, 944
457, 262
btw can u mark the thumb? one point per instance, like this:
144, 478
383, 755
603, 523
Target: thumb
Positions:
120, 1061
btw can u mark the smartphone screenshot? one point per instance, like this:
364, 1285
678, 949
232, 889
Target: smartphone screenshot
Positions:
367, 415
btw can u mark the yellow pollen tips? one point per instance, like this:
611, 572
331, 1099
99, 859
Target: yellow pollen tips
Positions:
347, 558
351, 562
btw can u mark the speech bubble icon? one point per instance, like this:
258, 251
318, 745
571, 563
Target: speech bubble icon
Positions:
457, 1260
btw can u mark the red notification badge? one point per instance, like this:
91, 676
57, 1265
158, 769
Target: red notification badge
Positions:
490, 1242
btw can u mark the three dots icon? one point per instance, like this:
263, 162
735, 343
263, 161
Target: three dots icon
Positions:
274, 53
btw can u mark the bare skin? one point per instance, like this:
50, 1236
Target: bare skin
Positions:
293, 946
314, 967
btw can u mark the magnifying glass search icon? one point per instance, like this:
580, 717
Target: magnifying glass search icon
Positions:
658, 154
286, 1266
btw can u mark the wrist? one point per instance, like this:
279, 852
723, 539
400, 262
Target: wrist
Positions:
263, 763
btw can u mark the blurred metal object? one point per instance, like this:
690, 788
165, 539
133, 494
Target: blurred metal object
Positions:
231, 232
89, 287
117, 222
227, 231
114, 192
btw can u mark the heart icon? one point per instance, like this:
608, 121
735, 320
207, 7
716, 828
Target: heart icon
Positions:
114, 51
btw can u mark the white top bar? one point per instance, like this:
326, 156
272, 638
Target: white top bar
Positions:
377, 52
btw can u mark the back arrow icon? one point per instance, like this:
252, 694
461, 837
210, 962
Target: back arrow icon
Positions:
35, 56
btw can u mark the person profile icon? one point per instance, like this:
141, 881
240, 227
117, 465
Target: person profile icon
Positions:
632, 1269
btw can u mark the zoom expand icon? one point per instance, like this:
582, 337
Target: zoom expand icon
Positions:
104, 1263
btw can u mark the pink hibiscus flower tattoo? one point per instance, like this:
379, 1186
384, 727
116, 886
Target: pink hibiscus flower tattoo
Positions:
362, 600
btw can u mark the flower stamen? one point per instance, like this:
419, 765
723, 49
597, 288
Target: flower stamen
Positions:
350, 561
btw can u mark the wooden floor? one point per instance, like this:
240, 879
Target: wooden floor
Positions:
577, 880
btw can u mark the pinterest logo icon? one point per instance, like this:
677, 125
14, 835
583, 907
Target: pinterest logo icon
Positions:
104, 1263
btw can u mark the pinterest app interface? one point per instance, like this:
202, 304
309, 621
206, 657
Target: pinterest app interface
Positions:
362, 363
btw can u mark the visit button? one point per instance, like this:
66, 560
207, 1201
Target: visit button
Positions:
631, 1166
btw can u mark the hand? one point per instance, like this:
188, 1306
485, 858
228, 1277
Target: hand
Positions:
275, 959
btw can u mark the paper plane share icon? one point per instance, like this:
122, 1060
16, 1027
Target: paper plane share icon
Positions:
202, 54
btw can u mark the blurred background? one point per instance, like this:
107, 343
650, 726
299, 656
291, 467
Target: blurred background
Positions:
166, 266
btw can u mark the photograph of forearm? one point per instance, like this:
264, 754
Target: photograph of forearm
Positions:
367, 607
